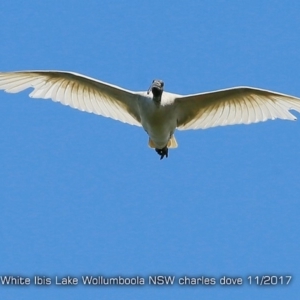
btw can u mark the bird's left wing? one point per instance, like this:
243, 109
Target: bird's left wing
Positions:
240, 105
76, 90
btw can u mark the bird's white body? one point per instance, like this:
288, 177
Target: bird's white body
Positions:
158, 119
160, 113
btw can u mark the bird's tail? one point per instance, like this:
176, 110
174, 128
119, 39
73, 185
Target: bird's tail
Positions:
172, 143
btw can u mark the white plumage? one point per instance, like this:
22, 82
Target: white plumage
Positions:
160, 113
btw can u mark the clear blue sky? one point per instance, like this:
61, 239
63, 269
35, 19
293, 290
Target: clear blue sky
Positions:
84, 195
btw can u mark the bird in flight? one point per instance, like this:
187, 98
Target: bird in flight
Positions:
157, 111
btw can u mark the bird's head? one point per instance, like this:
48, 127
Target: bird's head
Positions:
157, 88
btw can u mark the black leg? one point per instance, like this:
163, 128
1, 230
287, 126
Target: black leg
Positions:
163, 152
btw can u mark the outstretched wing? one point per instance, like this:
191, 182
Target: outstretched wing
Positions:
240, 105
75, 90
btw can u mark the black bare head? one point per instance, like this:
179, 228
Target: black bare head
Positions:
157, 88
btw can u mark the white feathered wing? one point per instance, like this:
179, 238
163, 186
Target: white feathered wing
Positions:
76, 90
240, 105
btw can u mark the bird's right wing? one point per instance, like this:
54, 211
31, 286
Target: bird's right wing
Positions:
240, 105
76, 90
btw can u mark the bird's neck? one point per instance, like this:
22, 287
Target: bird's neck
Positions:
157, 99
